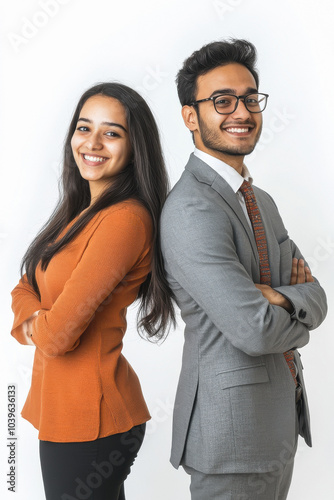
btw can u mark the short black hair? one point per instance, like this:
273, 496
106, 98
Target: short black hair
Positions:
211, 56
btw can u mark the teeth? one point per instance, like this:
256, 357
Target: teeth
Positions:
237, 130
94, 158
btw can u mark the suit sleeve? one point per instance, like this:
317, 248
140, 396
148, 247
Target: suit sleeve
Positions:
200, 255
114, 248
308, 299
24, 303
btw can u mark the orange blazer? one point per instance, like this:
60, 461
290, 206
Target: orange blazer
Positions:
82, 387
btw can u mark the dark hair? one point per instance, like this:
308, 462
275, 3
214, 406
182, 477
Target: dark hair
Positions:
144, 179
209, 57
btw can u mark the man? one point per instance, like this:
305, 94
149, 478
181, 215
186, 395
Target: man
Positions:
247, 297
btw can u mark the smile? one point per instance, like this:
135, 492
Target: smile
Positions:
238, 130
95, 159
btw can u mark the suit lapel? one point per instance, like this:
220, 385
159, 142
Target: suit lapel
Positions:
204, 173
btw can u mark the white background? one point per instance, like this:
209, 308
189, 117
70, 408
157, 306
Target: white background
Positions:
49, 59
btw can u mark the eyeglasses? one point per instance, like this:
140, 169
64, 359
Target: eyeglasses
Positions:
226, 104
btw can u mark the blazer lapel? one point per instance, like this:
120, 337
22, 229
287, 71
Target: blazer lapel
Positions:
204, 173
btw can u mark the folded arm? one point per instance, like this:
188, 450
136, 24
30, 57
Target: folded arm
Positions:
114, 248
307, 298
202, 258
25, 305
299, 274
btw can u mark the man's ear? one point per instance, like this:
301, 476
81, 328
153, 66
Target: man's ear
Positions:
190, 118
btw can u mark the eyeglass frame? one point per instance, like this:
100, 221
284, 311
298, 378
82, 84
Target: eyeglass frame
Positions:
238, 97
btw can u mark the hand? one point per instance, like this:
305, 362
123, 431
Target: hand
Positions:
27, 328
300, 273
275, 298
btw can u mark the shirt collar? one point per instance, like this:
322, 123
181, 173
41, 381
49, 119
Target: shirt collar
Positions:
228, 173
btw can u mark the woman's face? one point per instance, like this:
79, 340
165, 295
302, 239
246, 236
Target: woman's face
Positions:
101, 144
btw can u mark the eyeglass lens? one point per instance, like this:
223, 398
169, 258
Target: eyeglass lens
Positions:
255, 103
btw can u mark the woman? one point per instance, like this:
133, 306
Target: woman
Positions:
98, 252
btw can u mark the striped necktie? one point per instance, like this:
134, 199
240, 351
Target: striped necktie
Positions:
261, 243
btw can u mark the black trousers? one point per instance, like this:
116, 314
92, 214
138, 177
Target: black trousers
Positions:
91, 470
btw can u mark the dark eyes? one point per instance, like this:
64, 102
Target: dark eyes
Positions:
109, 133
223, 101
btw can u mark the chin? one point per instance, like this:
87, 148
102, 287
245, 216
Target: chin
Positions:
240, 150
240, 153
235, 151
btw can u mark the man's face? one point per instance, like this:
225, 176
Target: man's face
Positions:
226, 136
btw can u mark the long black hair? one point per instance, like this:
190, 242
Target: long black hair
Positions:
144, 179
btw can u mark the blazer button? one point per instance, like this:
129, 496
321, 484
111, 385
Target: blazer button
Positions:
302, 314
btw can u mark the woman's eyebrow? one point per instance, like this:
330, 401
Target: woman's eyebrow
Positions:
109, 124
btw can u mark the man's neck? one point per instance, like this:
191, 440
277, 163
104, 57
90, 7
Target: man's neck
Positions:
234, 161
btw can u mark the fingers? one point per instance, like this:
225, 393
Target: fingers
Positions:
294, 271
308, 275
300, 273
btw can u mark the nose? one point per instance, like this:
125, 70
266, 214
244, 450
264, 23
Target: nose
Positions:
241, 112
94, 141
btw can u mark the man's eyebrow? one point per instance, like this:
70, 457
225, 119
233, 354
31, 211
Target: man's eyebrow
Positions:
108, 124
232, 91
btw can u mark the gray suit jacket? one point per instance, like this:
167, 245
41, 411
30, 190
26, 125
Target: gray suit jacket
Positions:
235, 402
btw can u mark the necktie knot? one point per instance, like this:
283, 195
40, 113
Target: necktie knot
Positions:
250, 200
247, 191
245, 186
